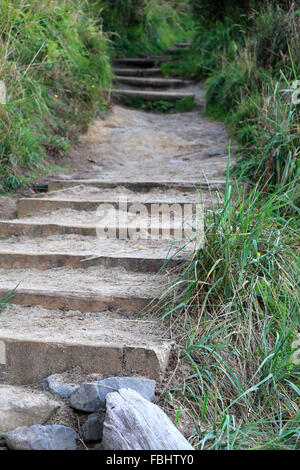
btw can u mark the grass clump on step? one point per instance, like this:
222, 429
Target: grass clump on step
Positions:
234, 310
54, 63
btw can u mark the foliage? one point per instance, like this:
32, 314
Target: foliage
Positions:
145, 27
55, 61
251, 62
55, 64
235, 307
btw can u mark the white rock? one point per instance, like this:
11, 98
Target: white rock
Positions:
133, 423
22, 407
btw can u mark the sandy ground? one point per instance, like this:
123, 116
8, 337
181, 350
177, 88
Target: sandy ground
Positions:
85, 246
8, 207
74, 327
109, 281
135, 145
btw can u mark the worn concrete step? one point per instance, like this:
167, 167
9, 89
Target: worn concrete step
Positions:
27, 206
164, 222
89, 198
137, 72
44, 229
36, 342
139, 186
151, 82
152, 95
74, 251
147, 62
88, 290
179, 47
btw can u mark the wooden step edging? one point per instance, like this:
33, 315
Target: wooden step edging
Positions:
150, 82
44, 261
27, 206
91, 302
137, 72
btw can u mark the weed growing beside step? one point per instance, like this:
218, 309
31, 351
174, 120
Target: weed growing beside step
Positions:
55, 63
235, 311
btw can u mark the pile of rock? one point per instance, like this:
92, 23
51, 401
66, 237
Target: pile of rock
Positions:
116, 413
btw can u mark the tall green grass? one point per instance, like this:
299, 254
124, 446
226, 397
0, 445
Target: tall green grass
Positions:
145, 27
54, 62
55, 59
250, 59
234, 310
234, 307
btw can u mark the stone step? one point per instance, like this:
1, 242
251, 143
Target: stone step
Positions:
89, 290
164, 222
90, 198
73, 251
137, 72
139, 186
152, 95
147, 62
28, 206
151, 82
179, 47
36, 342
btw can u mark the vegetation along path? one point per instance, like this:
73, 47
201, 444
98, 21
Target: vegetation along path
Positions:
80, 295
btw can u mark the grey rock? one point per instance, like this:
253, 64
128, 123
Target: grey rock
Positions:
133, 423
56, 385
98, 446
22, 407
91, 397
54, 437
92, 430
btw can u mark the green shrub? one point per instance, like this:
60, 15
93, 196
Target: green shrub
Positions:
235, 309
55, 65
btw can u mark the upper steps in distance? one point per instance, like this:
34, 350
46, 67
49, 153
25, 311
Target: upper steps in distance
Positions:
137, 72
151, 95
151, 82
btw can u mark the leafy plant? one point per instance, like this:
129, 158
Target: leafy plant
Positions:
55, 66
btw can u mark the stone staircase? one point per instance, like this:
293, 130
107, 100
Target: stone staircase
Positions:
80, 298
